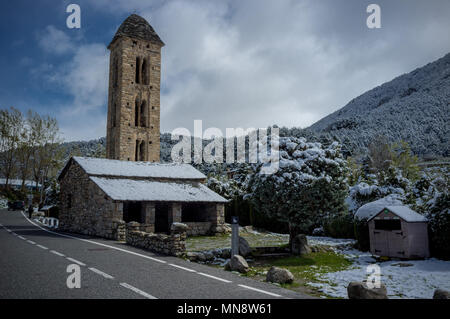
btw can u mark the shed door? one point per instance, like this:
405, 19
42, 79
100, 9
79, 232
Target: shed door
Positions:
380, 243
396, 244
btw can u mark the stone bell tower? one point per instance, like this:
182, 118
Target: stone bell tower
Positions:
133, 127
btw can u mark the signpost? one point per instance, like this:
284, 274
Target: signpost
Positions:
234, 235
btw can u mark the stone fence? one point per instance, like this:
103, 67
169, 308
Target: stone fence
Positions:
173, 244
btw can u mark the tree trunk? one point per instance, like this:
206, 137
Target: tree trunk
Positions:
293, 231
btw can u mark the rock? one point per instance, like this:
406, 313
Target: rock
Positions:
244, 247
359, 290
208, 255
441, 294
226, 253
237, 263
300, 245
179, 228
192, 256
279, 275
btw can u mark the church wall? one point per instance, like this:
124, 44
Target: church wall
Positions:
85, 207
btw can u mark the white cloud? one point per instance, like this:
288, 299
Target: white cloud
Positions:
255, 63
53, 40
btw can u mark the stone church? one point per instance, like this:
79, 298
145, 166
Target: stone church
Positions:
99, 195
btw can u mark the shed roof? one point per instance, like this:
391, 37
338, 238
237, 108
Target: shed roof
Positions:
117, 168
137, 27
145, 190
406, 214
371, 209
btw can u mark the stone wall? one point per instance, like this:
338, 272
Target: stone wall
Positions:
198, 228
173, 244
85, 208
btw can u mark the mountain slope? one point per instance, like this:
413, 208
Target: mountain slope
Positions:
414, 107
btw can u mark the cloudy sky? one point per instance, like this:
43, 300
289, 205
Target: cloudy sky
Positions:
230, 63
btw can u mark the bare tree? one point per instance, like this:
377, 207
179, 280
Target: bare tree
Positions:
11, 128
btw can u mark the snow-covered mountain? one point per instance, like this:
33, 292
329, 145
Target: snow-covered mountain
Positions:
414, 107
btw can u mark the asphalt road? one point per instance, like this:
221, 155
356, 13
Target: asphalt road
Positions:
34, 261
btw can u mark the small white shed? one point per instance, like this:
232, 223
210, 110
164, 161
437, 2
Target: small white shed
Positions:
398, 231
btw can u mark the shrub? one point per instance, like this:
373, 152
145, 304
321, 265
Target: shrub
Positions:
361, 230
439, 227
339, 226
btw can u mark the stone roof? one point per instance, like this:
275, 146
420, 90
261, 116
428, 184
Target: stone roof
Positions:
138, 28
147, 190
126, 169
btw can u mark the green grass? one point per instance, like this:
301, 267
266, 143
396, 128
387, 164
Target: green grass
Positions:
307, 268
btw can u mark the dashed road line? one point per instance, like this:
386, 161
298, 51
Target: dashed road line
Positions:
101, 273
181, 267
95, 243
76, 261
43, 247
136, 290
31, 242
143, 256
57, 253
214, 277
22, 237
260, 290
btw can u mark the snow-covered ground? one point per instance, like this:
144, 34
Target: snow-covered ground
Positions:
403, 279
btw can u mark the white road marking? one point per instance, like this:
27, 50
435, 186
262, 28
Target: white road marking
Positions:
101, 273
214, 277
140, 255
14, 234
40, 246
31, 242
76, 261
260, 290
57, 253
184, 268
22, 237
95, 243
136, 290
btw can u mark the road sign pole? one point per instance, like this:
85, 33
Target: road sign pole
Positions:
234, 236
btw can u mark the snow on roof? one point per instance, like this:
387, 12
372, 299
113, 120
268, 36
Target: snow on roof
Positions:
145, 190
371, 209
108, 167
407, 214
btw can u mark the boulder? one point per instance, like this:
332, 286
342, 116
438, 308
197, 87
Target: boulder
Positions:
178, 228
300, 245
244, 247
359, 290
237, 263
192, 256
279, 275
441, 294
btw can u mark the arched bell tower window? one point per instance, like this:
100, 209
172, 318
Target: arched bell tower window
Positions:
113, 114
136, 112
138, 69
142, 151
115, 72
145, 73
143, 114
